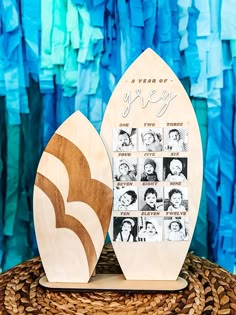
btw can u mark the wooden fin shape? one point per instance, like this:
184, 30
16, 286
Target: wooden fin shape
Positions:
72, 201
152, 136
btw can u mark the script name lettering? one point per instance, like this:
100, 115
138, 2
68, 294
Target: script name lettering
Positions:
164, 100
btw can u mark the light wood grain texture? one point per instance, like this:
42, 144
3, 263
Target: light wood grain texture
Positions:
72, 201
149, 95
117, 282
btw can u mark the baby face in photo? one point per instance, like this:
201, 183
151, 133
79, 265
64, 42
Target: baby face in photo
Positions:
123, 139
126, 227
151, 199
123, 169
126, 199
148, 138
175, 226
149, 169
176, 200
174, 135
175, 167
150, 229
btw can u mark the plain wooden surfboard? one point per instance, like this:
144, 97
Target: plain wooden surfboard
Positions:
150, 96
72, 201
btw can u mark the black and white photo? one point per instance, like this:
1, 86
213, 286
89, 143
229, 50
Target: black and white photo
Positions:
176, 229
125, 169
124, 229
176, 199
150, 139
150, 229
175, 139
174, 169
151, 198
125, 198
150, 169
125, 139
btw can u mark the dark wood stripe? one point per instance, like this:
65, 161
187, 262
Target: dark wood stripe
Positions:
81, 187
64, 220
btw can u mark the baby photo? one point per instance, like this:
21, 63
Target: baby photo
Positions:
176, 199
125, 198
125, 139
150, 229
150, 140
176, 229
175, 139
151, 169
151, 198
125, 169
124, 229
175, 169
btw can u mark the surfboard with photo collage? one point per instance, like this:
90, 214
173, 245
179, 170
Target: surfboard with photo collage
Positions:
152, 137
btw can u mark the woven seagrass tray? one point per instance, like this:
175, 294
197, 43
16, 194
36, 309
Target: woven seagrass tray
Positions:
211, 290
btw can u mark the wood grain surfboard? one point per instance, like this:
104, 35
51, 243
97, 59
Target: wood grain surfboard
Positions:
152, 136
72, 201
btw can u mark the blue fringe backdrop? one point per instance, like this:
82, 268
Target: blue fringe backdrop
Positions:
58, 56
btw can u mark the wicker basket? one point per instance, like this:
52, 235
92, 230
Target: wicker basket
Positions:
211, 290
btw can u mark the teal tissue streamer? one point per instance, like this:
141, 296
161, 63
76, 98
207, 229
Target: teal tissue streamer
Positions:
175, 65
97, 13
200, 237
168, 38
136, 13
12, 177
164, 34
65, 106
16, 100
33, 125
183, 23
191, 53
2, 173
31, 23
49, 117
228, 21
149, 16
200, 88
58, 32
46, 81
81, 102
78, 2
212, 175
225, 250
227, 154
46, 33
234, 202
204, 18
124, 30
19, 231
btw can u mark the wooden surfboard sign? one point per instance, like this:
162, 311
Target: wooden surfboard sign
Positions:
152, 136
72, 201
72, 210
153, 167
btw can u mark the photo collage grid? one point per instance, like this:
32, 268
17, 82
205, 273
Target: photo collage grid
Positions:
143, 159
